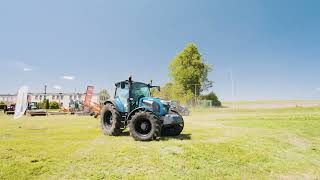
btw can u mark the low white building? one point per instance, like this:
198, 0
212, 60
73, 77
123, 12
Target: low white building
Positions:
8, 98
64, 99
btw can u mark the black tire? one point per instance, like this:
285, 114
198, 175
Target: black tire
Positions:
110, 120
145, 126
173, 130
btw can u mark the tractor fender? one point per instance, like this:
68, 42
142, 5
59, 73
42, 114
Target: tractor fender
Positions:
111, 102
136, 110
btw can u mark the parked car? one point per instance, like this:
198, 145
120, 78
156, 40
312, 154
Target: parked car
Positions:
33, 110
10, 109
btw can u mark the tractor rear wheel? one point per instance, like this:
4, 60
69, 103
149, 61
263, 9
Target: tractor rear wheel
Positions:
145, 126
110, 120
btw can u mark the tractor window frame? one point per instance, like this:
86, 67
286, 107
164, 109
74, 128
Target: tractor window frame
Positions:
143, 85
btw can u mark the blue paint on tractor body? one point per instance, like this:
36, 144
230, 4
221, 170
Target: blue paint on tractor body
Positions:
120, 106
162, 108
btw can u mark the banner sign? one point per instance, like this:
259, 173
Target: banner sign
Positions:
89, 95
22, 102
29, 99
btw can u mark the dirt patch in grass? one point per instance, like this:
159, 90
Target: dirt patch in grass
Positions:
171, 150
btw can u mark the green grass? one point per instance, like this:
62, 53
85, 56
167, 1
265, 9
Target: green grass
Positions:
216, 144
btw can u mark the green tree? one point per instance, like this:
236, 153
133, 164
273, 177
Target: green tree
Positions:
39, 105
189, 71
164, 93
171, 91
212, 97
46, 104
54, 105
2, 105
103, 96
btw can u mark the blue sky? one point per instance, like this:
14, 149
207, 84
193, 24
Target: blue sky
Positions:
272, 47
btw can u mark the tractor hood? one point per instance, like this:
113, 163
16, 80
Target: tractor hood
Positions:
152, 99
156, 105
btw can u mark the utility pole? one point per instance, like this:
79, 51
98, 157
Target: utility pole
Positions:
195, 91
60, 98
45, 92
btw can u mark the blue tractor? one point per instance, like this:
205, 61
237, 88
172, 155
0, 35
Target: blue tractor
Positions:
146, 117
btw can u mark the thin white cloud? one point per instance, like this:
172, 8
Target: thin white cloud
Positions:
318, 89
68, 78
19, 65
27, 69
57, 87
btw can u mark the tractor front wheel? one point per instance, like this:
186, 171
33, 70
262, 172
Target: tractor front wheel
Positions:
145, 126
110, 120
173, 130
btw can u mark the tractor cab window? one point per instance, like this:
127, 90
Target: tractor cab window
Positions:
140, 90
122, 93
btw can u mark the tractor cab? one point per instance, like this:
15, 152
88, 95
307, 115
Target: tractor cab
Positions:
128, 94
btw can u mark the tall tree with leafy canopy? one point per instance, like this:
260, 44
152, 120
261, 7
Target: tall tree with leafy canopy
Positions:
103, 96
171, 91
189, 71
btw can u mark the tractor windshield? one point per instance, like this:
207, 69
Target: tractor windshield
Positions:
140, 90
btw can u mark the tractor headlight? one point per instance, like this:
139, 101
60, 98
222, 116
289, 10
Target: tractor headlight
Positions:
155, 106
148, 102
166, 105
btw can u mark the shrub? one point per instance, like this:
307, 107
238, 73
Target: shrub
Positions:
2, 105
212, 97
39, 105
44, 104
54, 105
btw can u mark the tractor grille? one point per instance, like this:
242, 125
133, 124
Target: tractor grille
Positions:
167, 107
156, 107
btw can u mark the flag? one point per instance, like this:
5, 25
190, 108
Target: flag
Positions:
22, 102
89, 94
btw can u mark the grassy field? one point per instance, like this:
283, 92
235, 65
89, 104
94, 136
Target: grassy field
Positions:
216, 144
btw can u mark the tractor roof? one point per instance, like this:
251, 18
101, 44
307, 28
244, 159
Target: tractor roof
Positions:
127, 82
117, 83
